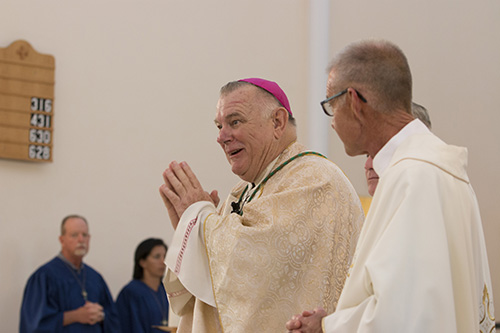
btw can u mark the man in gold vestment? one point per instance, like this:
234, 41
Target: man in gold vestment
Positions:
281, 242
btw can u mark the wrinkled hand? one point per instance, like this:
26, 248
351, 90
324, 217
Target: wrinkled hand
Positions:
307, 322
181, 189
91, 313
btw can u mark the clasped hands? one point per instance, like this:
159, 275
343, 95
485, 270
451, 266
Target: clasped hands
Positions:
307, 322
90, 313
182, 189
94, 313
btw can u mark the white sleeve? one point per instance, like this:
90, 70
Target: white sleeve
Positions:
187, 257
350, 319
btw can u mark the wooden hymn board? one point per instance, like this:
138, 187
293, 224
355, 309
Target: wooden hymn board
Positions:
26, 103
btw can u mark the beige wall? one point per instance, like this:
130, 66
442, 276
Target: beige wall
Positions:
136, 87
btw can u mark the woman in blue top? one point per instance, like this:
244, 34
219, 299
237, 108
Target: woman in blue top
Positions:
143, 303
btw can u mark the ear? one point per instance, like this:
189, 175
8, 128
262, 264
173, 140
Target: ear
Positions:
280, 121
356, 104
141, 263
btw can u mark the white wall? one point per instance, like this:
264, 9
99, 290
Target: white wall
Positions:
136, 87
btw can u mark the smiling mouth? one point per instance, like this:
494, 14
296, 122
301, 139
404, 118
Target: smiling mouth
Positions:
234, 152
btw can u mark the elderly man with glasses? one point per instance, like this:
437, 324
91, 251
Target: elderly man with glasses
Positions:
420, 263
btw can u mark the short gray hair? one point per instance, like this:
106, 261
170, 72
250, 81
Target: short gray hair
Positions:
72, 216
378, 66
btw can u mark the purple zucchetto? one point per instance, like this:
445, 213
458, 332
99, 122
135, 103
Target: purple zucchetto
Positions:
273, 88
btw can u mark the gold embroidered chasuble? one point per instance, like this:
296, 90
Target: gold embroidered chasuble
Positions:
290, 250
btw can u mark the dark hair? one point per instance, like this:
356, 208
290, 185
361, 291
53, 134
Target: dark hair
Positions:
143, 250
72, 216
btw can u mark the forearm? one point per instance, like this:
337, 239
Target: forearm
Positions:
70, 317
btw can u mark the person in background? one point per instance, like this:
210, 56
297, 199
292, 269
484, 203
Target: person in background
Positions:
372, 178
420, 263
142, 304
291, 222
65, 294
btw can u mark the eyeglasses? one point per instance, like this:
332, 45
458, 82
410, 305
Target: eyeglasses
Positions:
327, 106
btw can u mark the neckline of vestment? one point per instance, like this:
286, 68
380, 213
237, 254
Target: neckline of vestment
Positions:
261, 185
75, 272
384, 156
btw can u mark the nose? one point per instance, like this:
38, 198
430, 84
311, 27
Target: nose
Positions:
224, 135
369, 163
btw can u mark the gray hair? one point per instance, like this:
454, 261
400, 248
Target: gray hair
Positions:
378, 66
421, 113
73, 216
235, 85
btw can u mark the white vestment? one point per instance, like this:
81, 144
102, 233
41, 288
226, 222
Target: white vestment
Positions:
420, 263
289, 250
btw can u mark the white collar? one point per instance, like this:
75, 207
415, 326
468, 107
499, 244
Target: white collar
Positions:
383, 158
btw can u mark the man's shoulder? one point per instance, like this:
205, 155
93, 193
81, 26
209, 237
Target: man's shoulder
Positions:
49, 265
48, 271
92, 271
297, 166
311, 161
428, 153
310, 170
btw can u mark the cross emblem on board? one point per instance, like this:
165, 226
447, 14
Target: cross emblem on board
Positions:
22, 52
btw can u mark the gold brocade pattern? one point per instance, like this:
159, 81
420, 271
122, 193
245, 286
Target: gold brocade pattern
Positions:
289, 251
486, 317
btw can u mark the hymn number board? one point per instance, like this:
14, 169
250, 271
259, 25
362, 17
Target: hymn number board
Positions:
26, 103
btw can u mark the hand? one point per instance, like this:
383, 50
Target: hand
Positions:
172, 213
308, 322
182, 189
91, 313
214, 195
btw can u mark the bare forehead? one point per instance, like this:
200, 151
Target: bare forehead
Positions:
76, 224
158, 249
